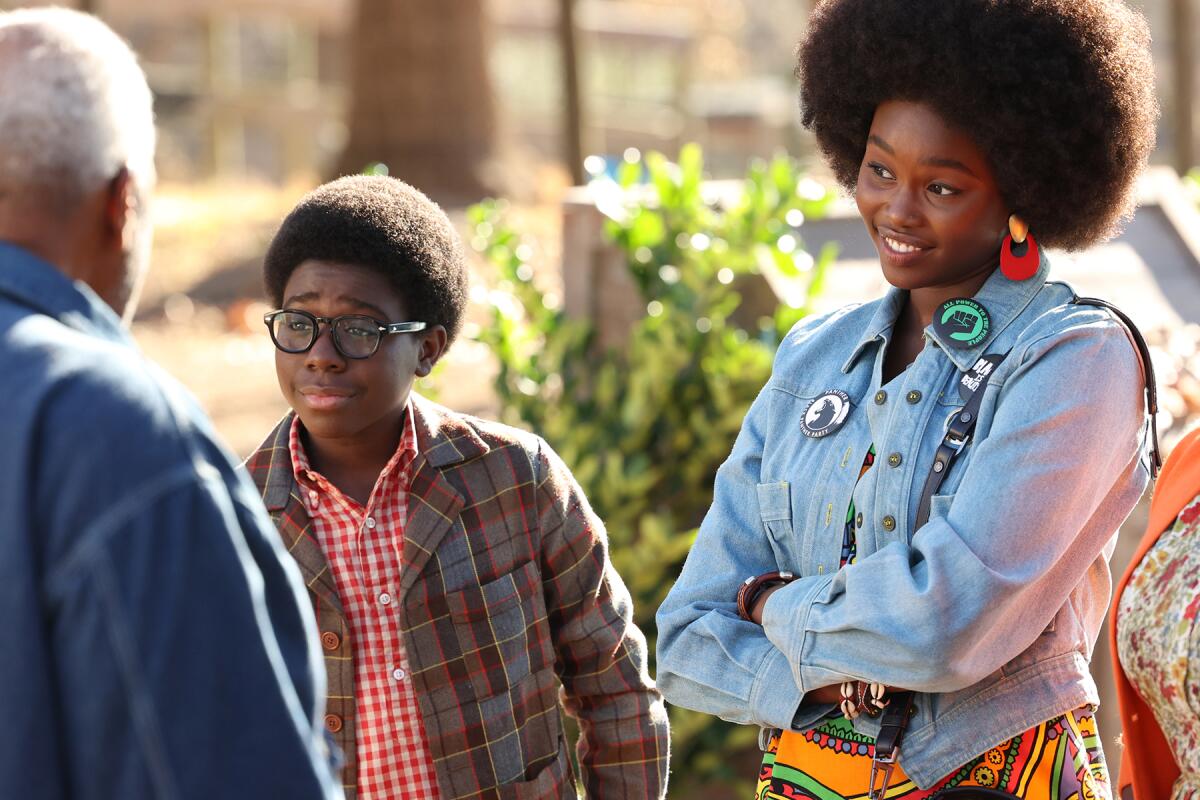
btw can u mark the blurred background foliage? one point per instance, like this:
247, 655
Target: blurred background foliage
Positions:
645, 427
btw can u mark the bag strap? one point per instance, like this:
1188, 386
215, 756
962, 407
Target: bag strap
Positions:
1143, 353
959, 431
887, 744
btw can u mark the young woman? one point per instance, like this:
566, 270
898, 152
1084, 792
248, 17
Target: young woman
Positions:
923, 571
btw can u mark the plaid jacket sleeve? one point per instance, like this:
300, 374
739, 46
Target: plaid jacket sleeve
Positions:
624, 736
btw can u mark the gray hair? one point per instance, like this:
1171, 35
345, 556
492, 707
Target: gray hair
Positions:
74, 105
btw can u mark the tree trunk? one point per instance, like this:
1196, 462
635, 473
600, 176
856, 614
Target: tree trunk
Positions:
421, 98
1183, 84
573, 107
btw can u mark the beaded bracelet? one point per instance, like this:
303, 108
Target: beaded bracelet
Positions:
755, 585
860, 697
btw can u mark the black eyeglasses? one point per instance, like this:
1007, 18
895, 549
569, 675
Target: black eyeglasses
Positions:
354, 335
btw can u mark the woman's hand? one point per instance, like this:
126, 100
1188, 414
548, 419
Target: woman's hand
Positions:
760, 603
829, 695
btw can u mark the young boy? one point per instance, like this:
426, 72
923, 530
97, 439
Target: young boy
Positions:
459, 576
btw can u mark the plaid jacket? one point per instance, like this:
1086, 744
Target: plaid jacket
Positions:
507, 597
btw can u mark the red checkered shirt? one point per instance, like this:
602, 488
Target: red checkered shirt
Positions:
363, 546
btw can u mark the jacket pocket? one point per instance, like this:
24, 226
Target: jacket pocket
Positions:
502, 629
552, 781
775, 512
522, 731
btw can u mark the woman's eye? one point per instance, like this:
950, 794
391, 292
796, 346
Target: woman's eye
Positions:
880, 171
942, 190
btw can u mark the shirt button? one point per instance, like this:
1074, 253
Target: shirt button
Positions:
398, 674
384, 598
312, 495
858, 521
330, 640
880, 397
333, 722
895, 460
913, 397
370, 522
889, 523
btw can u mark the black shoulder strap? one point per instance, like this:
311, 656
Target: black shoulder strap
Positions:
959, 431
1143, 352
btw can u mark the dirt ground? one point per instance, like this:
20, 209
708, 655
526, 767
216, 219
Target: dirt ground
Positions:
201, 312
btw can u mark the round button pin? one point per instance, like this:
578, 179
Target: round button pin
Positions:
825, 414
962, 322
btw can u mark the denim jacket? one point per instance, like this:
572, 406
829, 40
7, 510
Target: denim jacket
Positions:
991, 609
158, 640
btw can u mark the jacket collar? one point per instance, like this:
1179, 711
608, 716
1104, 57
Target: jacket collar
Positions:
40, 286
1004, 300
443, 439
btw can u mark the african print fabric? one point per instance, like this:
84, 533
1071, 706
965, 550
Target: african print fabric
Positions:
1057, 760
849, 540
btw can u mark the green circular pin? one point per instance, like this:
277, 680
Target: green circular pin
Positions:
962, 322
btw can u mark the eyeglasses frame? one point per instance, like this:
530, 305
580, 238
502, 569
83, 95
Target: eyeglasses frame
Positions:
385, 328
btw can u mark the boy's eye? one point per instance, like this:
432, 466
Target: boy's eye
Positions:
299, 325
359, 329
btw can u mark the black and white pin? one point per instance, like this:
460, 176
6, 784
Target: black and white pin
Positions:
826, 414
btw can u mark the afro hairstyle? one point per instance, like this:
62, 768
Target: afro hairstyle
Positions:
1058, 94
384, 225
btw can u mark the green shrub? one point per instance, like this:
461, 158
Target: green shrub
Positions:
645, 428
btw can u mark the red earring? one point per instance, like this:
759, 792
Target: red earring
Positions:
1019, 257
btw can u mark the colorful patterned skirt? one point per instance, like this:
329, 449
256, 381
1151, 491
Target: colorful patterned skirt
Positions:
1057, 760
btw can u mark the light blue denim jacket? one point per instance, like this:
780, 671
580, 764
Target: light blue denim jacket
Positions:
991, 609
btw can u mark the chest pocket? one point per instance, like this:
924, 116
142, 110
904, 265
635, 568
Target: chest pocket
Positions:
503, 630
775, 512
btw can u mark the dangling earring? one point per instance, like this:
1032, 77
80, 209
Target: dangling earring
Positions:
1019, 258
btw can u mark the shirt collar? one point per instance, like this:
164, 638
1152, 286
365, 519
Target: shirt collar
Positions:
40, 286
1003, 299
311, 480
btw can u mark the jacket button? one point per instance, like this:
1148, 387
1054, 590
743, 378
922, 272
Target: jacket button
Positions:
889, 523
858, 521
880, 397
895, 460
333, 722
913, 397
330, 640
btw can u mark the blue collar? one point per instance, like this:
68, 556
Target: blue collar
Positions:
1003, 299
34, 283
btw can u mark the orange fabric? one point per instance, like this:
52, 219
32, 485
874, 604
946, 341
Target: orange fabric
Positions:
1147, 764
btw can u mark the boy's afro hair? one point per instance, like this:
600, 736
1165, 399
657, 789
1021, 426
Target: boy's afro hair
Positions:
384, 225
1059, 94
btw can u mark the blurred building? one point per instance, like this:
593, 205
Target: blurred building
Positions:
258, 88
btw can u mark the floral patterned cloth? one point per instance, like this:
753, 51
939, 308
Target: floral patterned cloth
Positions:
1158, 641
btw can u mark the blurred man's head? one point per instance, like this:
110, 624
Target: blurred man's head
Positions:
76, 149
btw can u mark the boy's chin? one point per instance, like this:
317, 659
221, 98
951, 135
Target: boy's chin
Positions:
325, 425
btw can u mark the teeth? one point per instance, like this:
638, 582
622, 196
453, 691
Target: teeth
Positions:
900, 247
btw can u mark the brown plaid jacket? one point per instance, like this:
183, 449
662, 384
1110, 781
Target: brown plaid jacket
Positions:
507, 597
